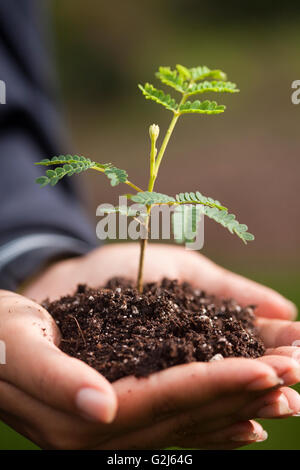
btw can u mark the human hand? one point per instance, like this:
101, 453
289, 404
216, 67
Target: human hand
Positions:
174, 262
61, 403
100, 265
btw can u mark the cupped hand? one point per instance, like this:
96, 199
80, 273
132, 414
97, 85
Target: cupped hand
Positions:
174, 262
59, 402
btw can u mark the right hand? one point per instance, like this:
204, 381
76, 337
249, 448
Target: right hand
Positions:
61, 403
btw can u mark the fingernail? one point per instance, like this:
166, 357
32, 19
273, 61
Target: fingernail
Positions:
95, 405
297, 415
251, 436
293, 308
263, 383
292, 375
279, 408
296, 354
264, 437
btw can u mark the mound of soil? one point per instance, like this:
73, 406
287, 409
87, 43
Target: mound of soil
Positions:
121, 332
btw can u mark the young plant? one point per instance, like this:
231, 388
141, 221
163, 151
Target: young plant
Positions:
188, 82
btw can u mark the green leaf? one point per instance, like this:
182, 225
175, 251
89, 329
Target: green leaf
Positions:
148, 198
229, 221
204, 107
152, 93
74, 164
184, 72
70, 164
206, 205
42, 181
103, 166
203, 72
61, 159
214, 86
185, 220
214, 210
116, 175
181, 81
171, 78
198, 198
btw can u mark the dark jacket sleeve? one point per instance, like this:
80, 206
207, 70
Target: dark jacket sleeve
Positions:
36, 223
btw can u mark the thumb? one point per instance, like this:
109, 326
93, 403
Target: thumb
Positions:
46, 373
36, 366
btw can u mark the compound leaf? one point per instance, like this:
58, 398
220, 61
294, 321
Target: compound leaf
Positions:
116, 175
185, 220
201, 107
183, 72
180, 80
149, 198
152, 93
61, 159
42, 181
229, 221
214, 210
203, 72
214, 86
74, 164
198, 198
70, 165
171, 78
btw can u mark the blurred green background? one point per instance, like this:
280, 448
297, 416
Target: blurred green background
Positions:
248, 158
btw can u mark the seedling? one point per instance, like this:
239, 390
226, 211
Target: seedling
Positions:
188, 82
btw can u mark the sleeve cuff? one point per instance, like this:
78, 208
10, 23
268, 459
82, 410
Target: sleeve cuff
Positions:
22, 257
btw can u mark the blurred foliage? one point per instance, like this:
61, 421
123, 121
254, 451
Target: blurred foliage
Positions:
103, 47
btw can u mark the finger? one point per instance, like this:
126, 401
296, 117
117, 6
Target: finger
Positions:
289, 351
60, 381
277, 333
15, 308
232, 437
35, 365
26, 415
287, 368
212, 278
172, 433
52, 429
48, 427
274, 404
293, 399
188, 386
237, 407
210, 418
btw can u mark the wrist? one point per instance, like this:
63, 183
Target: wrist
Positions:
25, 256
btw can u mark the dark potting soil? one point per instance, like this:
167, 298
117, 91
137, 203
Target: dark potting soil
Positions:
121, 332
